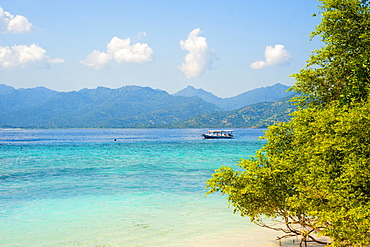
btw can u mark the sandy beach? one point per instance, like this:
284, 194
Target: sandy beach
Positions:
254, 236
249, 237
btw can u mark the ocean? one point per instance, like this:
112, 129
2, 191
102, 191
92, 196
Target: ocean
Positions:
118, 187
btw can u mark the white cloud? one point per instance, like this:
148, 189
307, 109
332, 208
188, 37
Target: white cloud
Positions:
13, 24
21, 55
120, 50
275, 56
97, 59
200, 56
56, 60
124, 52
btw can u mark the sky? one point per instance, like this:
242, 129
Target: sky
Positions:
224, 47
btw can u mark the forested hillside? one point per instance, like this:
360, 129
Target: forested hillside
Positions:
258, 115
258, 95
134, 107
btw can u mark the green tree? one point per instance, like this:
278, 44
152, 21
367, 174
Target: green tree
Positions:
339, 70
313, 175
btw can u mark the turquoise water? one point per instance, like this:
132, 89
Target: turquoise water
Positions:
114, 187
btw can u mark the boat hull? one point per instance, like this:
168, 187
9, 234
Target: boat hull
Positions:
216, 137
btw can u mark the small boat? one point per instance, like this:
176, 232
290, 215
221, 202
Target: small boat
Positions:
218, 134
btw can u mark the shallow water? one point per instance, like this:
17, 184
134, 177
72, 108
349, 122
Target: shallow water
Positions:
116, 187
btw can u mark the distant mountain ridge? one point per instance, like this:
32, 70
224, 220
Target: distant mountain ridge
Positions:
17, 99
125, 107
259, 115
4, 88
97, 108
263, 94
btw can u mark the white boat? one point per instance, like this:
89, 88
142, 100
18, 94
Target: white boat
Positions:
218, 134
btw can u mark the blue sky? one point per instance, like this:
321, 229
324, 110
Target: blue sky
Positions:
225, 47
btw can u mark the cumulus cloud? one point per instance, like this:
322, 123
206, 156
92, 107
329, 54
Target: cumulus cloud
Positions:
97, 59
275, 56
21, 55
120, 50
13, 24
200, 56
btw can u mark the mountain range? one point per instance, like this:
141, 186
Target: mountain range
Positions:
140, 107
263, 94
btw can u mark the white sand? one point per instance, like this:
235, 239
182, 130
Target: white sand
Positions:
236, 238
253, 237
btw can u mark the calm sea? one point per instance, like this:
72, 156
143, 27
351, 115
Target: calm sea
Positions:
114, 187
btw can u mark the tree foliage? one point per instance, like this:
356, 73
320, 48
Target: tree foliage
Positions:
313, 175
339, 70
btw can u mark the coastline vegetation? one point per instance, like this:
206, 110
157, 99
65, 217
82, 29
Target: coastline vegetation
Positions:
313, 175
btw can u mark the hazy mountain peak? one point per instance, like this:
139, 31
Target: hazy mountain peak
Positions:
5, 88
258, 95
190, 91
263, 94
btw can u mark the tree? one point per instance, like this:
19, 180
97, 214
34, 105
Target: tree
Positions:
313, 173
339, 70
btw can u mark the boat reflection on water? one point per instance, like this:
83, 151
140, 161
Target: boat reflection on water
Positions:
218, 134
